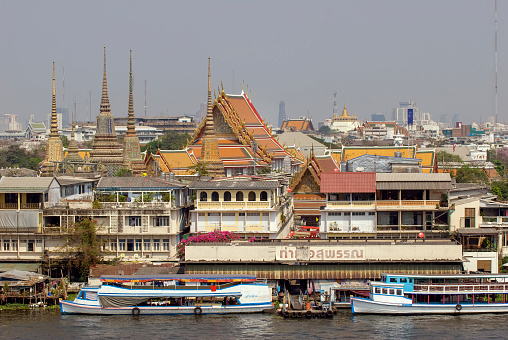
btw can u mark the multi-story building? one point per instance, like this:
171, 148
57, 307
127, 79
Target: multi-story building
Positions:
247, 206
400, 113
136, 217
393, 205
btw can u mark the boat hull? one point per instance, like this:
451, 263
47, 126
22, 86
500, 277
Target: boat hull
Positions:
70, 307
367, 306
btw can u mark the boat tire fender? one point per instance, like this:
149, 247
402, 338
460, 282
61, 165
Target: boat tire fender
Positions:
135, 311
285, 314
458, 307
322, 314
198, 311
329, 314
294, 315
308, 314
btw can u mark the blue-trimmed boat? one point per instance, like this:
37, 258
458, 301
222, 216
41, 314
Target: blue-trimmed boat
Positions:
435, 294
172, 294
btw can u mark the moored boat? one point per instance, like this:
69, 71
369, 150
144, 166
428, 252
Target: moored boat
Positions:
171, 294
435, 294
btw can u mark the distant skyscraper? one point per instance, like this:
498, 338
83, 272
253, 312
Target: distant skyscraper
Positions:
282, 112
64, 121
400, 113
378, 117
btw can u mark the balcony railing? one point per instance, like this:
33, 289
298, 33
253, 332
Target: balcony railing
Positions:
134, 205
351, 204
481, 288
244, 205
242, 228
388, 204
31, 206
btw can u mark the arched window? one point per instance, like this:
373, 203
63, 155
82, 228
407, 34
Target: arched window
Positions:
263, 196
203, 196
239, 196
227, 196
252, 196
215, 196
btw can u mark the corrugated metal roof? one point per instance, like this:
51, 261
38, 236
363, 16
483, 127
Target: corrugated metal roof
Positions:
136, 184
234, 184
345, 182
413, 181
25, 184
64, 180
477, 231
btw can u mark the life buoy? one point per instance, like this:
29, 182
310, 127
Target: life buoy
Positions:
198, 311
329, 314
308, 314
135, 311
285, 314
458, 307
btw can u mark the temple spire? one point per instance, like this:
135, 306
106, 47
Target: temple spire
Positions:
209, 113
105, 99
54, 118
131, 131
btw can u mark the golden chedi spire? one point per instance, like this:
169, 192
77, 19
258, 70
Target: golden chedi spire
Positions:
54, 145
105, 147
210, 143
132, 159
73, 150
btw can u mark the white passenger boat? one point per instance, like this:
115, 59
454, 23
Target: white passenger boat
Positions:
435, 294
172, 294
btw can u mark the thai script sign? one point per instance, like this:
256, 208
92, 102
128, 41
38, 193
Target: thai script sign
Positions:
319, 253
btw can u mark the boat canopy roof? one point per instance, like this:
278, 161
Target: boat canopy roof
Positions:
179, 277
449, 276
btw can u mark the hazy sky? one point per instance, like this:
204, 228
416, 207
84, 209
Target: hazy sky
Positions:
439, 53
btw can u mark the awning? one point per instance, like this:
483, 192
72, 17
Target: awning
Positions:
477, 231
413, 185
29, 267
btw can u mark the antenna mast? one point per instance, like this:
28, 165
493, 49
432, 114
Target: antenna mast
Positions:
495, 55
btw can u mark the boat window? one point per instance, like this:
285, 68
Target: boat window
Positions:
410, 280
403, 279
393, 279
391, 291
383, 278
399, 291
385, 291
378, 290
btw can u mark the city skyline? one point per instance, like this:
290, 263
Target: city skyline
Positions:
439, 54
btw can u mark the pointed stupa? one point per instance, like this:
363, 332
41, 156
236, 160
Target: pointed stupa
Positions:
73, 150
105, 147
210, 144
132, 159
54, 145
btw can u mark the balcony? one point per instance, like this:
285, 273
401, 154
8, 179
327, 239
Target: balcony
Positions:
240, 229
14, 206
351, 205
136, 205
487, 221
229, 205
408, 204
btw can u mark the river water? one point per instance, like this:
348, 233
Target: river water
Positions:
45, 324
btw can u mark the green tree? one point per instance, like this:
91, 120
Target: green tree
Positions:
500, 189
83, 248
325, 130
123, 172
466, 174
201, 168
171, 140
443, 156
65, 141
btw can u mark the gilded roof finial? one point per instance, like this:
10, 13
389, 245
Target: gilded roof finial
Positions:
222, 87
105, 100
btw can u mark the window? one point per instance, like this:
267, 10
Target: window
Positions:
239, 196
146, 245
227, 196
385, 291
357, 213
162, 221
138, 244
334, 213
252, 196
372, 213
121, 245
263, 196
135, 221
112, 246
7, 245
215, 196
403, 280
242, 214
203, 196
14, 246
378, 290
399, 292
391, 291
130, 245
393, 279
165, 244
30, 246
156, 245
